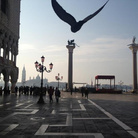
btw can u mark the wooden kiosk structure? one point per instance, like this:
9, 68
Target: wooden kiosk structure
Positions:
105, 77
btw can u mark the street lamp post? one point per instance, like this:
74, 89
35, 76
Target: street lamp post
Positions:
58, 79
121, 84
41, 68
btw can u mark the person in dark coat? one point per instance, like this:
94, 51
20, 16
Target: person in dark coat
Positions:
86, 92
82, 91
50, 92
16, 90
57, 94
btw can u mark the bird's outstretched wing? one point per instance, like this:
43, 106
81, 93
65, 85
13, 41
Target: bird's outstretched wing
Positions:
94, 14
62, 14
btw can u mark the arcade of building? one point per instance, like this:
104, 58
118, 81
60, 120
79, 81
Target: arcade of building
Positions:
9, 36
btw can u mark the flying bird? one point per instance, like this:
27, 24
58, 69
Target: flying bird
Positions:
68, 18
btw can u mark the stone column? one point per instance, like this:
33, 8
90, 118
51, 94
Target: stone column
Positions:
15, 60
134, 48
6, 85
13, 84
70, 67
11, 56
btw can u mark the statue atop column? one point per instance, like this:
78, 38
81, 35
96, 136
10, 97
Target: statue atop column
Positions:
133, 40
72, 43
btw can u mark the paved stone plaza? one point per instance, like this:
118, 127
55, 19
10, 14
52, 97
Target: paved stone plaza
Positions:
100, 116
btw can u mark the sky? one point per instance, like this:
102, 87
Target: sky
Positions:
103, 41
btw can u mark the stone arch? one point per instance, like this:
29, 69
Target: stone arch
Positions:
2, 35
5, 72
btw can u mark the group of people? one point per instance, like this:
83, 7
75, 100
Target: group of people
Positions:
51, 93
36, 91
84, 90
26, 90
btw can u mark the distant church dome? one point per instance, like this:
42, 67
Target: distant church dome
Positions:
37, 77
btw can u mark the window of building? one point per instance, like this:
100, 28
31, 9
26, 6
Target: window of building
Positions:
4, 4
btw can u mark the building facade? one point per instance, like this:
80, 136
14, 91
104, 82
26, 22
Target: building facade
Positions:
9, 37
33, 82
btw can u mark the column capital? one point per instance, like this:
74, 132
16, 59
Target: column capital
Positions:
70, 48
133, 47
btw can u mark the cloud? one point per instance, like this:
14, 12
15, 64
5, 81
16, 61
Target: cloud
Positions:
53, 49
26, 47
103, 45
103, 49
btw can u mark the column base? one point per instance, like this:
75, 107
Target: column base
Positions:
135, 91
41, 100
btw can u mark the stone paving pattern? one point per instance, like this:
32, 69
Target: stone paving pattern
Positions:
100, 116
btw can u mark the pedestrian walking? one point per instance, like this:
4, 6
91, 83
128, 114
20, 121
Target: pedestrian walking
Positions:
57, 94
50, 92
86, 92
20, 90
82, 91
16, 90
31, 90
